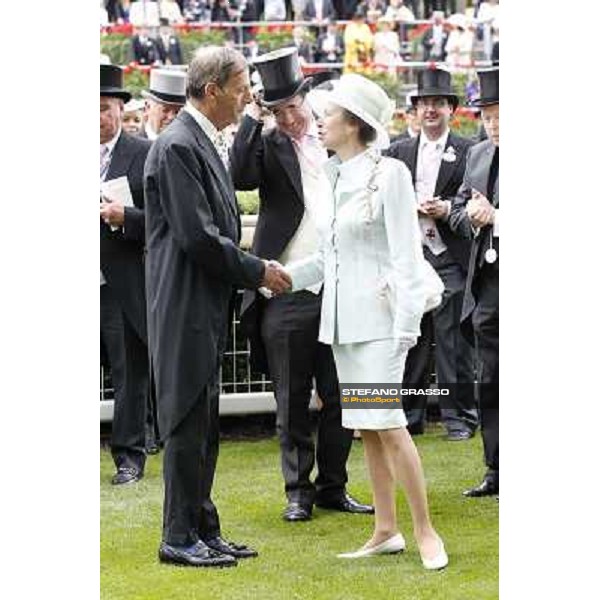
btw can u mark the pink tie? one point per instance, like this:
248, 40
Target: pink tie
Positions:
314, 155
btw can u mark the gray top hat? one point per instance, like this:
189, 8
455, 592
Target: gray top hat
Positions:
167, 86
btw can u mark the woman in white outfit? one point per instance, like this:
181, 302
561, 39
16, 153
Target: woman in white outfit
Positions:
376, 287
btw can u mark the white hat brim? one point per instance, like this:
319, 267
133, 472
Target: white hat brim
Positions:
133, 105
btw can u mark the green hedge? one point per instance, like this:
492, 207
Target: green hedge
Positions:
192, 40
248, 202
118, 45
136, 81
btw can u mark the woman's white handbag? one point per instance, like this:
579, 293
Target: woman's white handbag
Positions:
434, 287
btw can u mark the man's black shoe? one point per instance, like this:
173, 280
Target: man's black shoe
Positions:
488, 487
416, 428
459, 436
347, 504
235, 550
198, 555
126, 475
295, 511
152, 447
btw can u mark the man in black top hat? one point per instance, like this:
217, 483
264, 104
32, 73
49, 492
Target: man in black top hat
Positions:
284, 164
122, 295
475, 215
436, 160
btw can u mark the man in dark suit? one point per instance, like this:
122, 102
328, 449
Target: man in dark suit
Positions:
122, 294
475, 215
435, 39
330, 45
193, 263
284, 163
164, 98
436, 160
318, 11
143, 47
168, 45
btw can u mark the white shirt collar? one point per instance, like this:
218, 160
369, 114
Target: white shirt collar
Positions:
354, 170
440, 142
152, 135
313, 130
112, 142
205, 123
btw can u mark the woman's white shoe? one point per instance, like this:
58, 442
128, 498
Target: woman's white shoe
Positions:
437, 562
392, 545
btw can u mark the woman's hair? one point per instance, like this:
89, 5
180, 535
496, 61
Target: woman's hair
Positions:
366, 133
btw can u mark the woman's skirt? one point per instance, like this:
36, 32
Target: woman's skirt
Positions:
366, 363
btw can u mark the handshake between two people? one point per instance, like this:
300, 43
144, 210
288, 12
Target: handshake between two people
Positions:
275, 280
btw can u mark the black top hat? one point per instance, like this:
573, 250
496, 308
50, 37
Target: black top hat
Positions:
281, 75
111, 82
435, 82
323, 76
489, 87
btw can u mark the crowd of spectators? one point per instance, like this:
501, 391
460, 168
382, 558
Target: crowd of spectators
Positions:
374, 34
149, 12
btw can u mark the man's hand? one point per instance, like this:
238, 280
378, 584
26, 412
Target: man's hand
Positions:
479, 210
436, 208
275, 278
112, 213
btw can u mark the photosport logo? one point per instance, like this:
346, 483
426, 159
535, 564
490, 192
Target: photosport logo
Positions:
384, 395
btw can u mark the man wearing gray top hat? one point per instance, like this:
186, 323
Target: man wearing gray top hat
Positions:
122, 294
284, 163
475, 215
164, 99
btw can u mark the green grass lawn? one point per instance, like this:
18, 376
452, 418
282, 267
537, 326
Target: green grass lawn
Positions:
297, 560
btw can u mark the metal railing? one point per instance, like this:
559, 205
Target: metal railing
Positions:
242, 391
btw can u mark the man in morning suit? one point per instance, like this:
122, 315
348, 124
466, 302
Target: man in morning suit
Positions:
284, 163
436, 160
476, 215
122, 294
193, 263
163, 100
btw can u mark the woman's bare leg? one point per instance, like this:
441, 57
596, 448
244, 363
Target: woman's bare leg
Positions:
383, 482
403, 455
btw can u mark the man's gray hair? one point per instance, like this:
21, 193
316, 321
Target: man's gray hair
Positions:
212, 64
